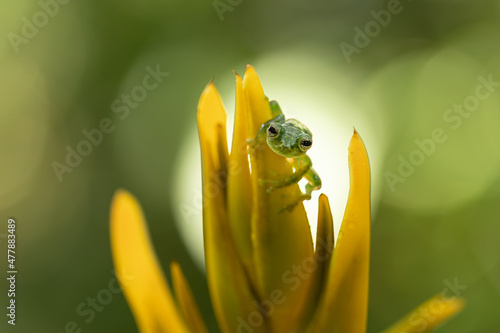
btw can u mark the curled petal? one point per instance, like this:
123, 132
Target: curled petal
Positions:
429, 315
239, 189
343, 306
322, 256
324, 239
186, 300
281, 239
229, 286
138, 271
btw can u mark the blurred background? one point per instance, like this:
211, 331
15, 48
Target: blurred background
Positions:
420, 81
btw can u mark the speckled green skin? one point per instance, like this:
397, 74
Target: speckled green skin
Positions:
287, 142
291, 132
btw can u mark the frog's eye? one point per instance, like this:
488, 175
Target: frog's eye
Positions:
273, 131
305, 143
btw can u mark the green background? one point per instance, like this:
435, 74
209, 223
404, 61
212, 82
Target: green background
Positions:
440, 224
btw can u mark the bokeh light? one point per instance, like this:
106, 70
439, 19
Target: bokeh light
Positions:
315, 97
437, 222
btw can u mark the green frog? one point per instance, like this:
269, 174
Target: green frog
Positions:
291, 139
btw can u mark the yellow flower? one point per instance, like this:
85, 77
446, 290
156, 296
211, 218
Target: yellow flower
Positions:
264, 274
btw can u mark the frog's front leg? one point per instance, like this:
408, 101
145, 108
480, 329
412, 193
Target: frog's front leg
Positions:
301, 164
302, 167
314, 183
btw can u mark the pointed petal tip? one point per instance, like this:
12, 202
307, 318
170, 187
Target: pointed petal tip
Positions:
448, 308
120, 193
356, 143
210, 85
353, 245
122, 199
144, 285
258, 102
236, 73
210, 108
356, 139
250, 70
174, 265
185, 300
355, 133
323, 199
459, 303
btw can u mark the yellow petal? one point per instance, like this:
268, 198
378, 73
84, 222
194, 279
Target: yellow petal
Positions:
324, 239
239, 187
429, 315
258, 102
138, 271
322, 256
343, 307
228, 284
212, 131
282, 241
186, 300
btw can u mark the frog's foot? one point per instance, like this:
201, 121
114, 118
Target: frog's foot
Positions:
252, 144
270, 184
303, 196
290, 207
273, 184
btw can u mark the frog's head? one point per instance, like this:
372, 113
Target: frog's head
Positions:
289, 139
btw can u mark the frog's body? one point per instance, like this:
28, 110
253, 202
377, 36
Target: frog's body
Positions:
289, 138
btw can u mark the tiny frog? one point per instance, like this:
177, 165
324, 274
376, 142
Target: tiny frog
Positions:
291, 139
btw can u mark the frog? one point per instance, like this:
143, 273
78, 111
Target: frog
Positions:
291, 139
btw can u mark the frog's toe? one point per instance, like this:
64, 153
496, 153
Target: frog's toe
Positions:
290, 207
269, 182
